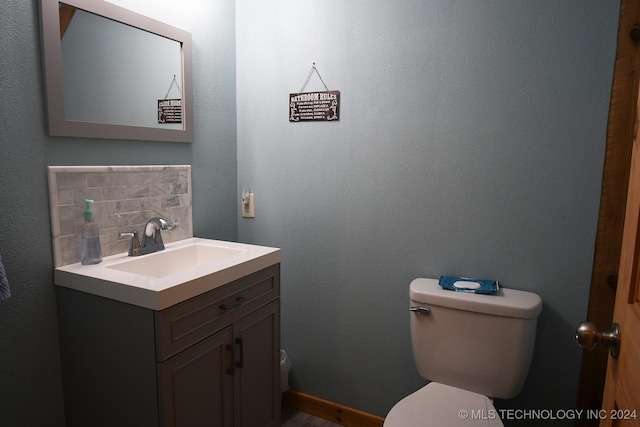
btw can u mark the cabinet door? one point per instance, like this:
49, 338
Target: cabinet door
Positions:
257, 376
195, 388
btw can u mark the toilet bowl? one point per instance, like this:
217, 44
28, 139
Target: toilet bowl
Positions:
469, 346
440, 405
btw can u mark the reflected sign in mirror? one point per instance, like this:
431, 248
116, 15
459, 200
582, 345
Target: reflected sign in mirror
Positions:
108, 72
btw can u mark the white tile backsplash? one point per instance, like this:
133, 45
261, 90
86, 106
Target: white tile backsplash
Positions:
125, 198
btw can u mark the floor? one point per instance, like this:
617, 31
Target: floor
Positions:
291, 418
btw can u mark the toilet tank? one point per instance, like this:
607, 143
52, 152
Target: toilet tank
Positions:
480, 343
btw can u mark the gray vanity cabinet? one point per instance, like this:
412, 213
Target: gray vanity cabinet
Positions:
194, 387
212, 360
229, 379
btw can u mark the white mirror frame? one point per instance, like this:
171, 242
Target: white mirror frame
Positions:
57, 124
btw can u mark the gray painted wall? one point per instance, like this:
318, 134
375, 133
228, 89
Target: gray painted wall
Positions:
30, 383
471, 142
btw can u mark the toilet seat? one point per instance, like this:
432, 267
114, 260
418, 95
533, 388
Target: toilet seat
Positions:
440, 405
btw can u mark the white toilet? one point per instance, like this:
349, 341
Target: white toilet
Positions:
472, 348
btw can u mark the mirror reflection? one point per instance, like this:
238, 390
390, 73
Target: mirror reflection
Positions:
115, 73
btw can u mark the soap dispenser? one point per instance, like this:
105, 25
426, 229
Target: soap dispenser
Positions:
91, 252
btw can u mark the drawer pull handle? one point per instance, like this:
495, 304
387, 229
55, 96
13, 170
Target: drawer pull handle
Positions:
237, 303
240, 363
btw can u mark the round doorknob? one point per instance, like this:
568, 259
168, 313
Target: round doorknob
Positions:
588, 336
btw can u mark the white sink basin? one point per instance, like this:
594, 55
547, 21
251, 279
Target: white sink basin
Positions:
174, 260
185, 269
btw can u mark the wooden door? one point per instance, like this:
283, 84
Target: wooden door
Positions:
621, 400
606, 262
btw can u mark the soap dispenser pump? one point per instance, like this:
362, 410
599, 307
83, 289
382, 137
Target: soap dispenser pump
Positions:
90, 251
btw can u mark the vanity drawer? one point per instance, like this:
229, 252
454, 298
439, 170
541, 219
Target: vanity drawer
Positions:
191, 321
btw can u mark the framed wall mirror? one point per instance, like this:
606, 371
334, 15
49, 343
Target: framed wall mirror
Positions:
113, 73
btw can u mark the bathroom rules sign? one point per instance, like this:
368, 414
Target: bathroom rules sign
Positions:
306, 106
169, 110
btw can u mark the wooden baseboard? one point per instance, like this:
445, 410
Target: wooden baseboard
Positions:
328, 410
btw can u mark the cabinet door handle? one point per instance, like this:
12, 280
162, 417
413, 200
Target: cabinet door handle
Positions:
231, 358
240, 363
237, 303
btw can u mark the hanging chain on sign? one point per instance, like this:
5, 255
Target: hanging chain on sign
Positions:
170, 110
314, 106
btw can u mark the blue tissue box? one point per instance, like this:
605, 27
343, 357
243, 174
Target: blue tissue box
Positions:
465, 284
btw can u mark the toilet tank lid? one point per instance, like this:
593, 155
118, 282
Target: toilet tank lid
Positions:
506, 302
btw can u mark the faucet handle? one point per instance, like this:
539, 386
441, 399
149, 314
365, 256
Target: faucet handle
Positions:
134, 244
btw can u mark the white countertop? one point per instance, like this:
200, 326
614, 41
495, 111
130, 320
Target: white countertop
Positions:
159, 293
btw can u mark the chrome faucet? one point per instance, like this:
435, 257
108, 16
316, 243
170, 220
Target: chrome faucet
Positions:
151, 238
